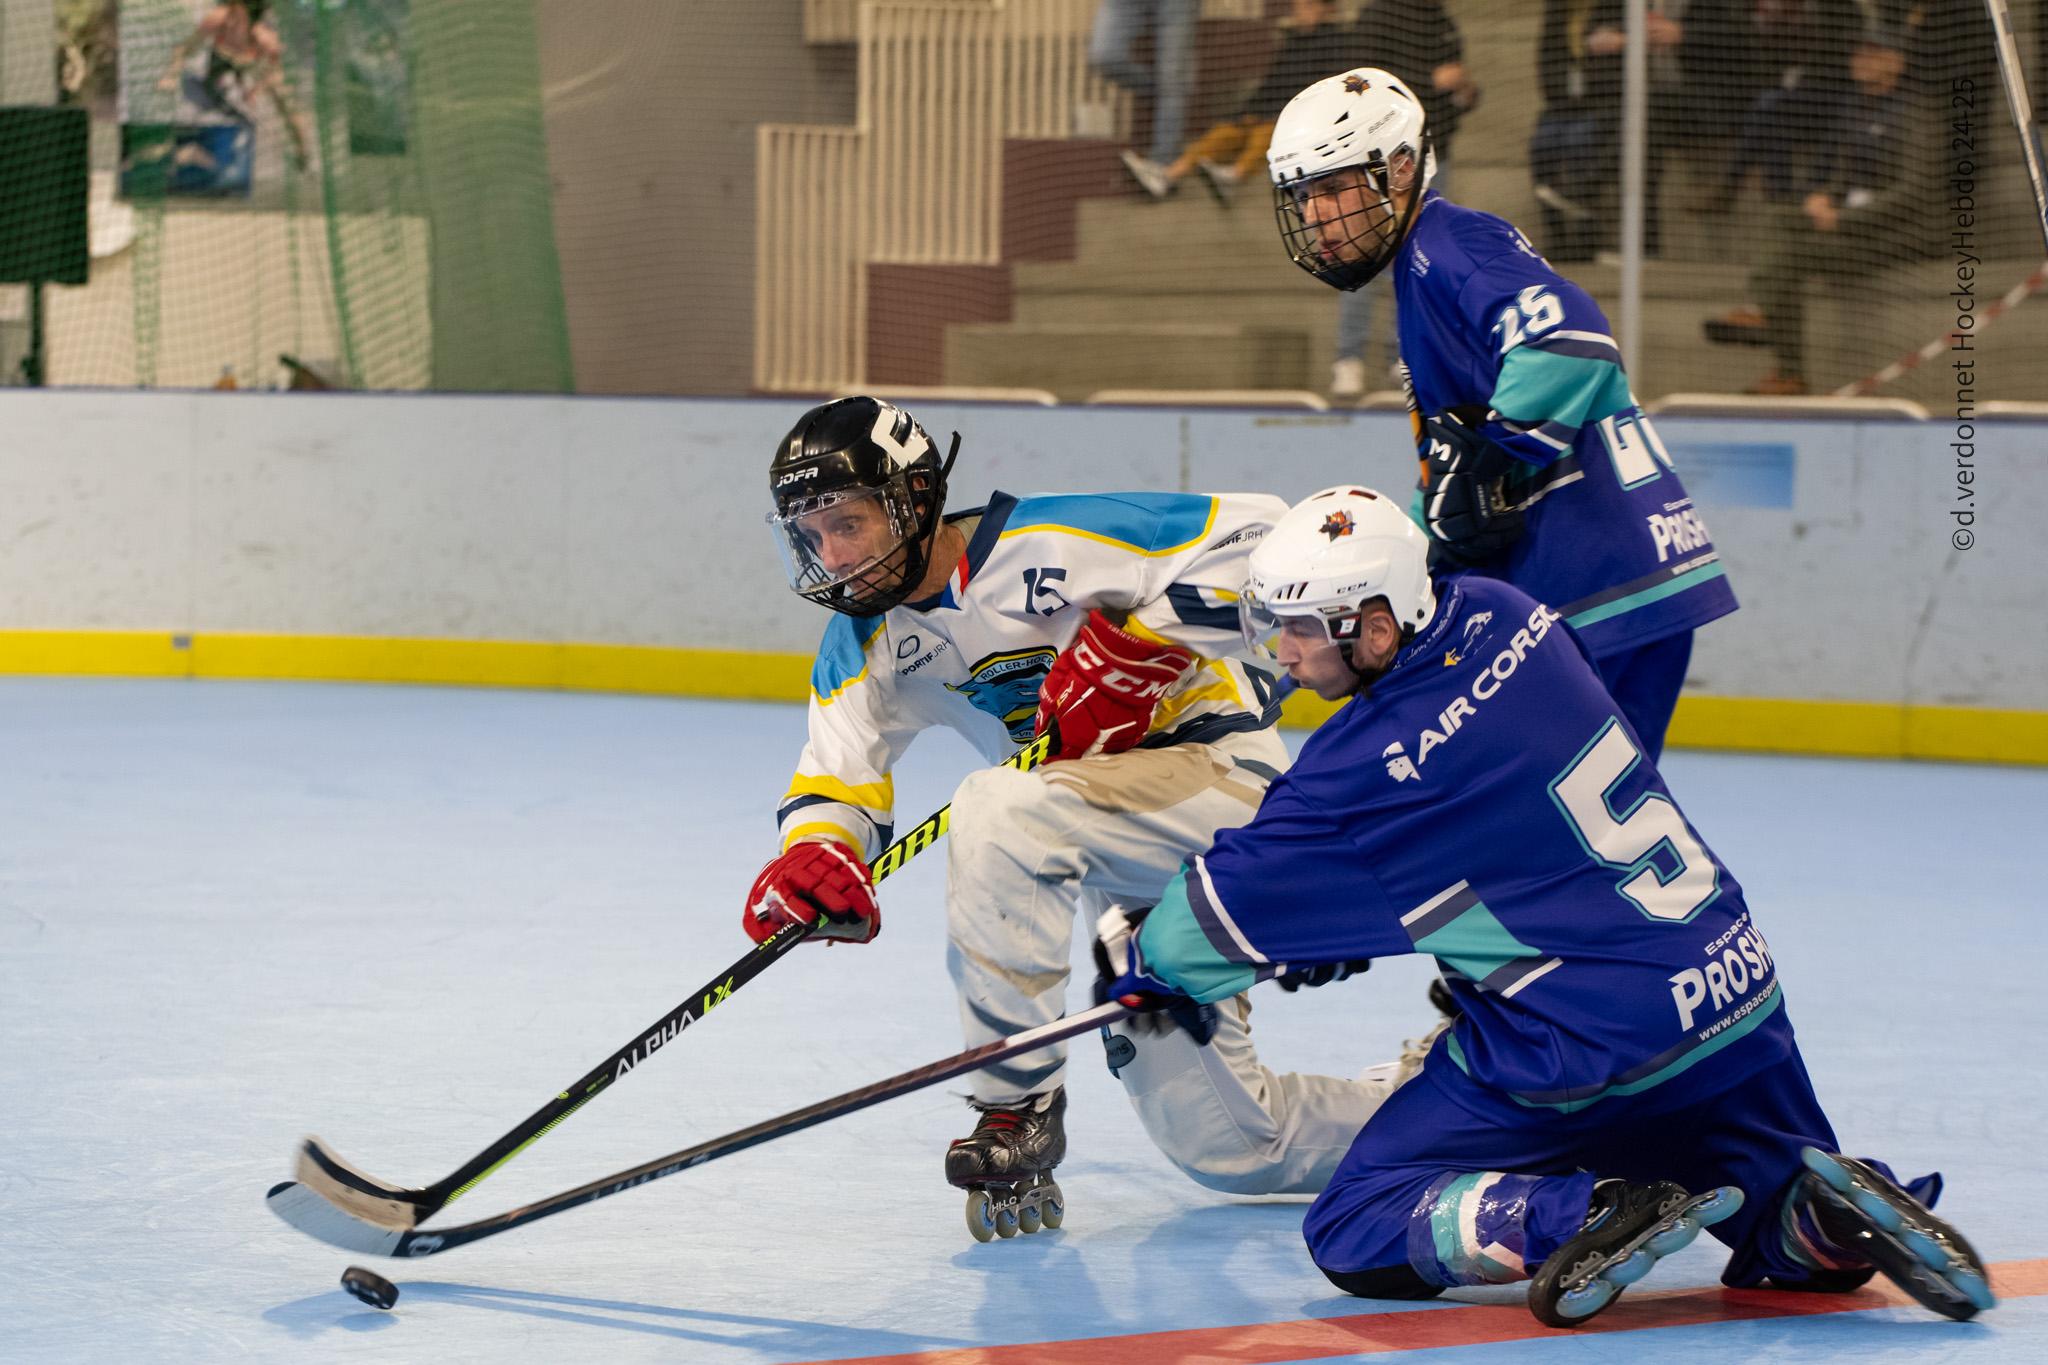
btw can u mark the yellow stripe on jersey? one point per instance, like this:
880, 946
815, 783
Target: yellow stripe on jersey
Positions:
828, 700
1222, 689
843, 646
879, 796
1145, 632
817, 827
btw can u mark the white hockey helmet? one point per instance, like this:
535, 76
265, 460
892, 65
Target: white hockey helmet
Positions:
1361, 119
1326, 558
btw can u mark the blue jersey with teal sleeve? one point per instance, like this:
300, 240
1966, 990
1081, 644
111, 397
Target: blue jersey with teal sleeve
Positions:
1487, 805
1612, 539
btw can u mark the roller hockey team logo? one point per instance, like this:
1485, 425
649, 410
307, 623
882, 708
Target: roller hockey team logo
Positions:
1006, 686
1355, 84
1338, 524
1399, 766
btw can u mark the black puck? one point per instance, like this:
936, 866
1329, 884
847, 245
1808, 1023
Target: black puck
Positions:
369, 1286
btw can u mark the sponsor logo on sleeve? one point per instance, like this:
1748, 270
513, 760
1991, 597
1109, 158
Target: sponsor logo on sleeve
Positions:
1739, 964
1485, 685
1679, 531
1399, 766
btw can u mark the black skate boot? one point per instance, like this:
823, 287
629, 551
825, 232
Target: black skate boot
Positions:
1005, 1165
1865, 1217
1629, 1228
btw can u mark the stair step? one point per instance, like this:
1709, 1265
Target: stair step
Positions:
1075, 359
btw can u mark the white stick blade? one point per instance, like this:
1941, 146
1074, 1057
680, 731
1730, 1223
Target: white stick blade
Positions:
317, 1218
340, 1205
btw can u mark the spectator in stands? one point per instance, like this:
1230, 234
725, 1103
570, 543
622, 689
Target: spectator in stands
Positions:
1575, 152
1772, 71
1419, 42
1311, 44
1167, 78
1868, 202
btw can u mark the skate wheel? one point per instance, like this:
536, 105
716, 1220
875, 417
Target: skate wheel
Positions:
1584, 1303
1006, 1222
1632, 1269
1721, 1203
1828, 1167
1028, 1220
1877, 1209
1973, 1288
981, 1221
1052, 1209
1674, 1238
1924, 1248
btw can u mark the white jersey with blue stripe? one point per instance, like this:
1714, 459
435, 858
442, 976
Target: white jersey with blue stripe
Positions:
972, 659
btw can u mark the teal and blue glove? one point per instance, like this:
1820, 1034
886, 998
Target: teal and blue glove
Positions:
1121, 975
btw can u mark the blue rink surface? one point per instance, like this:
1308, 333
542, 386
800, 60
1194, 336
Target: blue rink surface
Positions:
403, 918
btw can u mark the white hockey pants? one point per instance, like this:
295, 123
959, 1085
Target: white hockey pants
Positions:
1030, 851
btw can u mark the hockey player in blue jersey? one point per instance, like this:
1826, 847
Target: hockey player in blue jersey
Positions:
1623, 1073
1537, 466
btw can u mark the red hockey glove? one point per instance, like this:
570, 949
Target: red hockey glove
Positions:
809, 878
1099, 694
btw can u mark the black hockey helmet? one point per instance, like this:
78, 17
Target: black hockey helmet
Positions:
859, 490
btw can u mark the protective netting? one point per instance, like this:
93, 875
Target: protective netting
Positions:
1827, 187
804, 196
349, 192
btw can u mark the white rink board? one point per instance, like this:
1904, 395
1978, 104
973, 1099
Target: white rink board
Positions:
638, 521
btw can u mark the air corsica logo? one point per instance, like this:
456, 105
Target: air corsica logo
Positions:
1399, 766
1474, 628
1355, 84
1338, 524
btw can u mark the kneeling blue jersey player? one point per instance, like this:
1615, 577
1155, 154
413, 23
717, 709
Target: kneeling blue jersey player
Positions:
1537, 466
1623, 1072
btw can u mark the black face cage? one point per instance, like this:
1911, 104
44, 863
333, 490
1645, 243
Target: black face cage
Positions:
891, 574
1373, 229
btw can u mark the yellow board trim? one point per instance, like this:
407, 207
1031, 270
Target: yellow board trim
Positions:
1755, 724
735, 674
1852, 729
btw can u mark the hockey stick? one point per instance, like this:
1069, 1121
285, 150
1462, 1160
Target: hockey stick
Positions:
352, 1221
318, 1162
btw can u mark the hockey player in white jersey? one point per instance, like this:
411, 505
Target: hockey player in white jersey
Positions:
1104, 620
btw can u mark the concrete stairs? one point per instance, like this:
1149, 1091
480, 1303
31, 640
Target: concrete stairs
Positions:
1187, 294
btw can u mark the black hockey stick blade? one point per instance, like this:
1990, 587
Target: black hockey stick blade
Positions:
319, 1168
360, 1224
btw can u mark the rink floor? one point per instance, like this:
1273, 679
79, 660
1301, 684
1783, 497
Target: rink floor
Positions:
234, 914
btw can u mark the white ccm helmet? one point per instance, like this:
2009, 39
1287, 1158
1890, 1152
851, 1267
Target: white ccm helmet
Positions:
1327, 557
1360, 119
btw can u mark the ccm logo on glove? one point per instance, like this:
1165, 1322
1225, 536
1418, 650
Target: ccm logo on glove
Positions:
1099, 695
